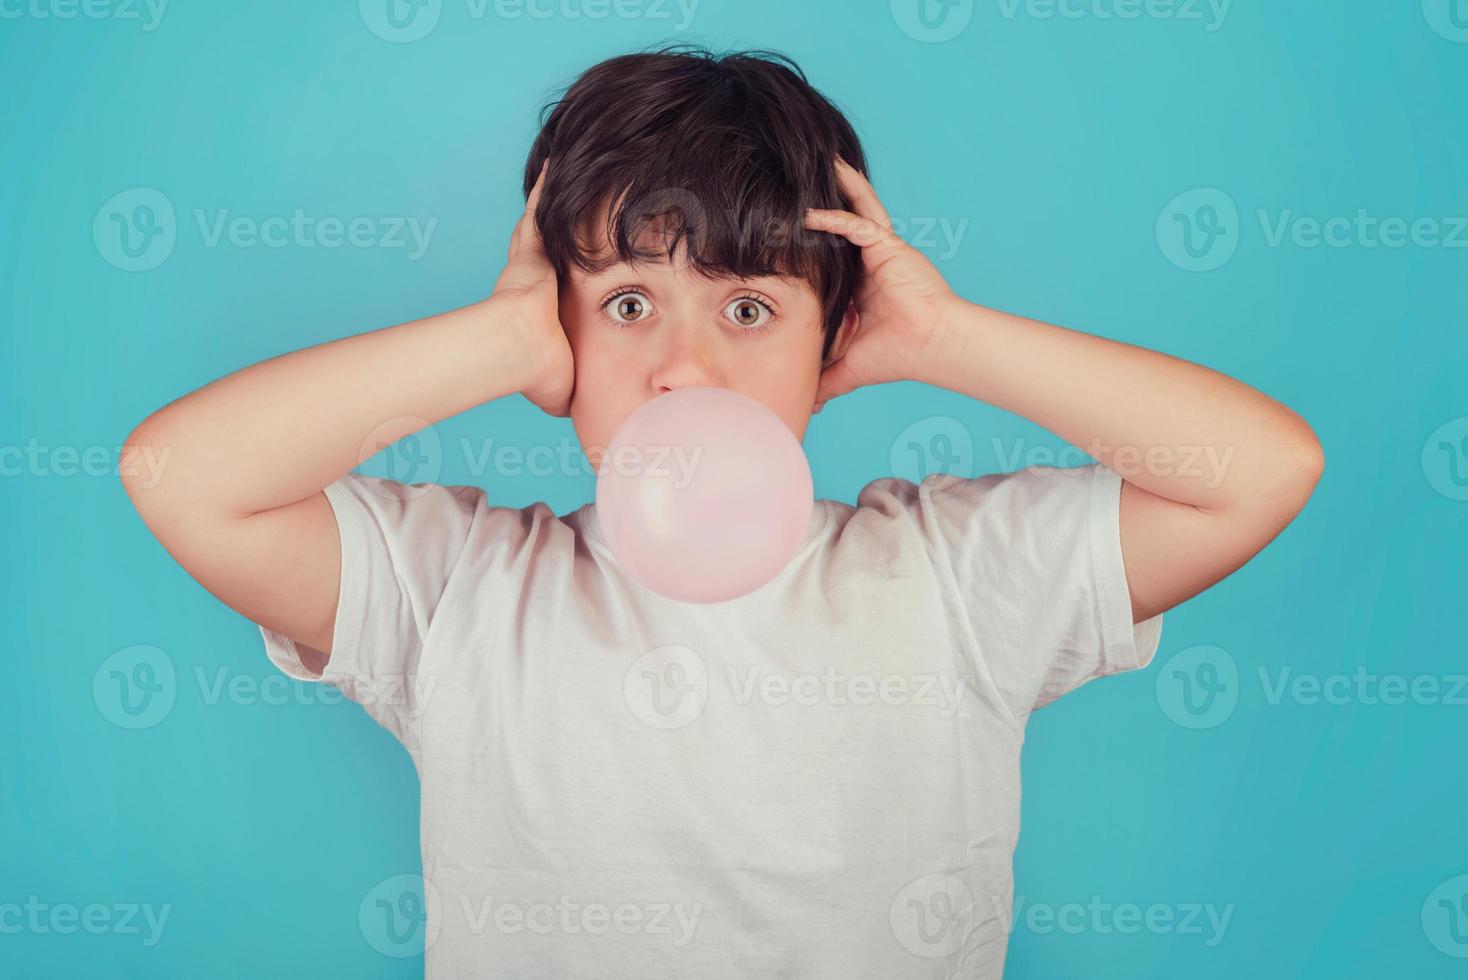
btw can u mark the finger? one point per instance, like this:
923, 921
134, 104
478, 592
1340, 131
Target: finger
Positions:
529, 233
532, 200
860, 192
856, 229
526, 234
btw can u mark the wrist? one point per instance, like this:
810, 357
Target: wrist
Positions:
957, 333
512, 340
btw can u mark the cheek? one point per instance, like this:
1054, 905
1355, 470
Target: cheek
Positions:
607, 389
785, 372
784, 379
786, 389
603, 366
612, 376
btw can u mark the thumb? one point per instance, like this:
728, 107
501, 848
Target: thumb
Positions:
836, 380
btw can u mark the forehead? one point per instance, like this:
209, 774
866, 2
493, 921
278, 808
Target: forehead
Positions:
653, 237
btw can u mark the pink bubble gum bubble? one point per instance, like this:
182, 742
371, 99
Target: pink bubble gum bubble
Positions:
704, 495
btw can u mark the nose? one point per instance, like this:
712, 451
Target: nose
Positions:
686, 360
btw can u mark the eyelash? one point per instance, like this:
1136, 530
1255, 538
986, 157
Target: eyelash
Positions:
621, 291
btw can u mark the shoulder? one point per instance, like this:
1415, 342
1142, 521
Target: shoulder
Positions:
432, 517
941, 499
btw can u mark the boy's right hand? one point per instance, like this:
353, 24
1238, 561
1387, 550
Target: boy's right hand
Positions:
527, 291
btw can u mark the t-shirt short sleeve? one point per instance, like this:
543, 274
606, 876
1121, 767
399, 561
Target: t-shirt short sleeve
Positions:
399, 545
1034, 559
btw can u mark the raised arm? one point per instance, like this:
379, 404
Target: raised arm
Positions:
238, 497
1213, 469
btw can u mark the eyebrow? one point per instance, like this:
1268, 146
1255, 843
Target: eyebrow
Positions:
623, 270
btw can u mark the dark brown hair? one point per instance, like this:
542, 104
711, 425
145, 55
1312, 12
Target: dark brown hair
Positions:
725, 152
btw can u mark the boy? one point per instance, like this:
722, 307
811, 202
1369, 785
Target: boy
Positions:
819, 778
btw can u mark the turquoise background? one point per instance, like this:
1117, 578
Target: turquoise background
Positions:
1335, 831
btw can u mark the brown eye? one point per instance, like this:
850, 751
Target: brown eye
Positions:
748, 312
628, 307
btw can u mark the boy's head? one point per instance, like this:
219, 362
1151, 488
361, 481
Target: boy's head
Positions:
672, 213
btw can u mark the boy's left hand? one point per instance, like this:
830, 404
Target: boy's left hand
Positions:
903, 301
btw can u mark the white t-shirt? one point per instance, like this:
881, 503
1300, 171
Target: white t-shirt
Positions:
818, 779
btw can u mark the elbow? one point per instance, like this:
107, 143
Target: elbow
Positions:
1309, 456
142, 464
1301, 463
